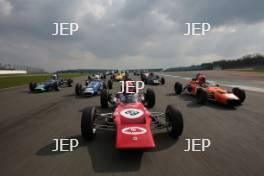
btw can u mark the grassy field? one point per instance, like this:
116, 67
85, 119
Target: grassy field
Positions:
7, 81
258, 70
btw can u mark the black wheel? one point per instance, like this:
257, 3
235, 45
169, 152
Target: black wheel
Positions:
110, 84
104, 85
174, 120
201, 96
32, 86
56, 86
78, 89
69, 82
178, 88
104, 99
162, 81
87, 123
150, 98
240, 93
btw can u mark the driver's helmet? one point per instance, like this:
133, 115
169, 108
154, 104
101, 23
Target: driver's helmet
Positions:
151, 74
55, 76
130, 89
96, 77
197, 76
202, 79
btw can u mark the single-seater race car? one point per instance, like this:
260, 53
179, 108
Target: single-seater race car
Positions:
152, 79
93, 87
119, 76
131, 120
53, 84
46, 86
204, 91
96, 76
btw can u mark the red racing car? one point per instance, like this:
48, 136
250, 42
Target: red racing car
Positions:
131, 120
205, 91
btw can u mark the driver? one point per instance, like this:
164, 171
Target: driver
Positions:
201, 80
129, 96
55, 76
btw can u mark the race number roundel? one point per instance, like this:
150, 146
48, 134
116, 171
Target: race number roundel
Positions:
132, 113
134, 130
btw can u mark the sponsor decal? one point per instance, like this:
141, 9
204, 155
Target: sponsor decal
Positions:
132, 113
134, 130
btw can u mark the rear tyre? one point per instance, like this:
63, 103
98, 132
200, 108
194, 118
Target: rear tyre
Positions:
175, 121
110, 84
32, 86
69, 82
56, 86
87, 123
201, 96
162, 81
77, 89
150, 98
104, 99
178, 88
240, 93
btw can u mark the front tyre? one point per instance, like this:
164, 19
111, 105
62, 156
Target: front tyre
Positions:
104, 99
110, 84
87, 123
201, 96
175, 121
178, 88
150, 98
56, 86
32, 86
69, 82
78, 89
240, 93
162, 81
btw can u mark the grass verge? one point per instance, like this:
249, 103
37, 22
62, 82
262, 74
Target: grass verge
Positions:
7, 81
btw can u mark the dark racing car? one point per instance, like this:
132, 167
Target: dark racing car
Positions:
152, 79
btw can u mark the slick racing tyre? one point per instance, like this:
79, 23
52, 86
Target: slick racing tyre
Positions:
69, 82
162, 81
56, 86
110, 84
150, 98
178, 88
240, 93
201, 96
78, 89
32, 86
174, 120
87, 123
104, 99
104, 85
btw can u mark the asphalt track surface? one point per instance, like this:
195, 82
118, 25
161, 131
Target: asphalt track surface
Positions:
30, 122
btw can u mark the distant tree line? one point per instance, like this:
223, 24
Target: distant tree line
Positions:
248, 61
103, 70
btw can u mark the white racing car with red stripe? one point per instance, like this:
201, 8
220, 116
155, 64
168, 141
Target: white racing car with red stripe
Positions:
131, 120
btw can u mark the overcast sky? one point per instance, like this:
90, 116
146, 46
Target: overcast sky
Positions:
128, 33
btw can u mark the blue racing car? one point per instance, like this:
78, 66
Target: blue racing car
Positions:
94, 87
48, 85
52, 84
